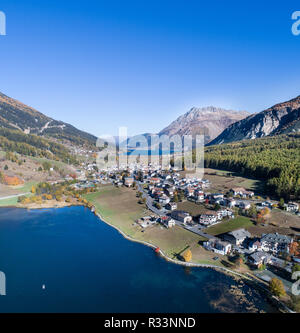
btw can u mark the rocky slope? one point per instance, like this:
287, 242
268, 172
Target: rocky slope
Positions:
282, 118
16, 115
210, 121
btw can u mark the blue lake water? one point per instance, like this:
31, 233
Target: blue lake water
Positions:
87, 266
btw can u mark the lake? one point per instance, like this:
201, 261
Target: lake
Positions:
87, 266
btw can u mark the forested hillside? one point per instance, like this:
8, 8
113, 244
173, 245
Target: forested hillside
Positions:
33, 145
274, 159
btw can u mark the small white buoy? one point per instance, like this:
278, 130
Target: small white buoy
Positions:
43, 286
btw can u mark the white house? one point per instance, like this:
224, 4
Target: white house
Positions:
292, 207
217, 246
181, 216
242, 192
275, 243
164, 200
168, 222
128, 181
208, 218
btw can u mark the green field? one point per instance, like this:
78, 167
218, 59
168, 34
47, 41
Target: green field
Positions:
10, 201
230, 225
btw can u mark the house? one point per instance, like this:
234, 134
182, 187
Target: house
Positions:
216, 196
275, 243
292, 207
199, 195
167, 221
244, 205
242, 192
217, 246
229, 202
259, 258
170, 191
181, 216
254, 245
236, 237
164, 199
128, 181
154, 180
208, 218
171, 206
146, 221
189, 191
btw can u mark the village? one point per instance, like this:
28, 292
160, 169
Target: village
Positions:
164, 192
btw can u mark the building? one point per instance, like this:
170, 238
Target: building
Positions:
164, 200
154, 180
189, 192
275, 243
217, 246
208, 218
242, 192
254, 245
259, 258
292, 207
236, 237
229, 202
244, 205
199, 195
128, 181
167, 222
181, 216
171, 206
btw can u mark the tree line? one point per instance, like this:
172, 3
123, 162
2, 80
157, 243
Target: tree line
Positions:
274, 159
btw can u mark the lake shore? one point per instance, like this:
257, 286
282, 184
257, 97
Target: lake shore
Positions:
248, 279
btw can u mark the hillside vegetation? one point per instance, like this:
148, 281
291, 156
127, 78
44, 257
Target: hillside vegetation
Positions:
274, 159
16, 115
33, 145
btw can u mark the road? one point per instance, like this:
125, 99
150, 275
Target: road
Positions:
14, 196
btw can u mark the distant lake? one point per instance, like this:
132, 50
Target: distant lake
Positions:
87, 266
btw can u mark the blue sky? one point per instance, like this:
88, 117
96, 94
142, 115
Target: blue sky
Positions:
103, 64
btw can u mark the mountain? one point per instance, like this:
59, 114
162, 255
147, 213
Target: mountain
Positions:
282, 118
16, 115
210, 121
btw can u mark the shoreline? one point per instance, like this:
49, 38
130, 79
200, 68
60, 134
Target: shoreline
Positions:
253, 282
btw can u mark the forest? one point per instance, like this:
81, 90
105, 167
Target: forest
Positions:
274, 159
33, 145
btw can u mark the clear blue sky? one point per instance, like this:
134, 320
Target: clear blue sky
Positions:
103, 64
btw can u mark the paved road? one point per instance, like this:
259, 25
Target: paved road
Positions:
14, 196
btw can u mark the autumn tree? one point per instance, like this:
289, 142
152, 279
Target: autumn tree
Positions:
276, 287
281, 203
296, 268
175, 198
187, 255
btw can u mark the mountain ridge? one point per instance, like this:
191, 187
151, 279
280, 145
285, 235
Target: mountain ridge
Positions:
19, 116
281, 118
210, 121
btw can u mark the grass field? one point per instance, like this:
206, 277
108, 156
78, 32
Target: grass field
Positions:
230, 225
10, 202
192, 208
119, 207
224, 180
